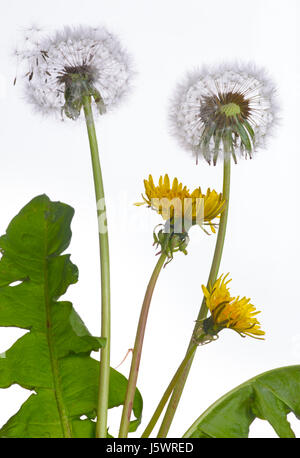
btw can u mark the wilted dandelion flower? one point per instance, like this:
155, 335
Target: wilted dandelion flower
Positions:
230, 312
175, 201
226, 110
72, 63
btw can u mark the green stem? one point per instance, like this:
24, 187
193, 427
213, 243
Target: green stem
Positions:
137, 350
101, 427
177, 392
167, 394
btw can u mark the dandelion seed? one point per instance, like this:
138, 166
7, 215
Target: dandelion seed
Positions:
229, 110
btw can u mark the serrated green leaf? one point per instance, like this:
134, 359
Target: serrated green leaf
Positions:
53, 358
269, 396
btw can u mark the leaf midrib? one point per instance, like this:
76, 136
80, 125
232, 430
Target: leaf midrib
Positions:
64, 419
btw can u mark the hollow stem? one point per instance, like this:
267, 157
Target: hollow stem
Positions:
167, 394
137, 350
101, 427
178, 389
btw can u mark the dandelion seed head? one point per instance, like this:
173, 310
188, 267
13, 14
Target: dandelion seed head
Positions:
76, 61
226, 110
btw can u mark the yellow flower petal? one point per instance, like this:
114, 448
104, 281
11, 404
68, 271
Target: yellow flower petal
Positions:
231, 312
177, 201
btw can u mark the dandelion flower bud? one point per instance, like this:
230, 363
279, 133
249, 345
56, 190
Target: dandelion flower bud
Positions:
228, 110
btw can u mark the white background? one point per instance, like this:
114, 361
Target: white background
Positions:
166, 39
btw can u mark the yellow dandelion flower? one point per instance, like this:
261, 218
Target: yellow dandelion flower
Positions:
177, 202
231, 312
